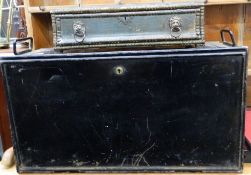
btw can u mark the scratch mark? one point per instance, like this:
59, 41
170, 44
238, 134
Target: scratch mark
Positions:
123, 161
170, 121
227, 147
108, 158
147, 126
146, 161
141, 156
195, 149
97, 163
95, 130
177, 156
78, 163
21, 70
52, 160
149, 131
133, 158
149, 92
171, 69
36, 107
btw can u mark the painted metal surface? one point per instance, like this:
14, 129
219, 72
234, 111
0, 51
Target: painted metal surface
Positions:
127, 26
133, 111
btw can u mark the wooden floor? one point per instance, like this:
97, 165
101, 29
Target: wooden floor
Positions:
247, 171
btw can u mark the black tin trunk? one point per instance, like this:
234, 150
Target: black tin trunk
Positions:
134, 111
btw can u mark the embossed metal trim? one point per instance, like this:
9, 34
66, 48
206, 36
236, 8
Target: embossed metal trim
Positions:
143, 44
133, 13
130, 7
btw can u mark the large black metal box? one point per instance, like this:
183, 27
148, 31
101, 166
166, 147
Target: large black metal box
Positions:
131, 111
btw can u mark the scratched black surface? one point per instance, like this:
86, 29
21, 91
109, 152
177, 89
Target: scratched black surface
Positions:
162, 112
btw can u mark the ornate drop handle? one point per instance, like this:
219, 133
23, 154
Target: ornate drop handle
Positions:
79, 31
175, 25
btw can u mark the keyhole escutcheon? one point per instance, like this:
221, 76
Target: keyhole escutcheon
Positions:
119, 70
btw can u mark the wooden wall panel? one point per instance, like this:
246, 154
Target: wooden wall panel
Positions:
88, 2
28, 19
247, 30
141, 1
223, 17
247, 42
210, 2
51, 2
100, 2
42, 29
237, 18
97, 2
227, 1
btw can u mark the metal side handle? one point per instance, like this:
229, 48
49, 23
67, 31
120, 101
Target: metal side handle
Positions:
21, 40
225, 31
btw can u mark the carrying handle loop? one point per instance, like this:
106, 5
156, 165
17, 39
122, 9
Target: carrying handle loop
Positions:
224, 31
22, 40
